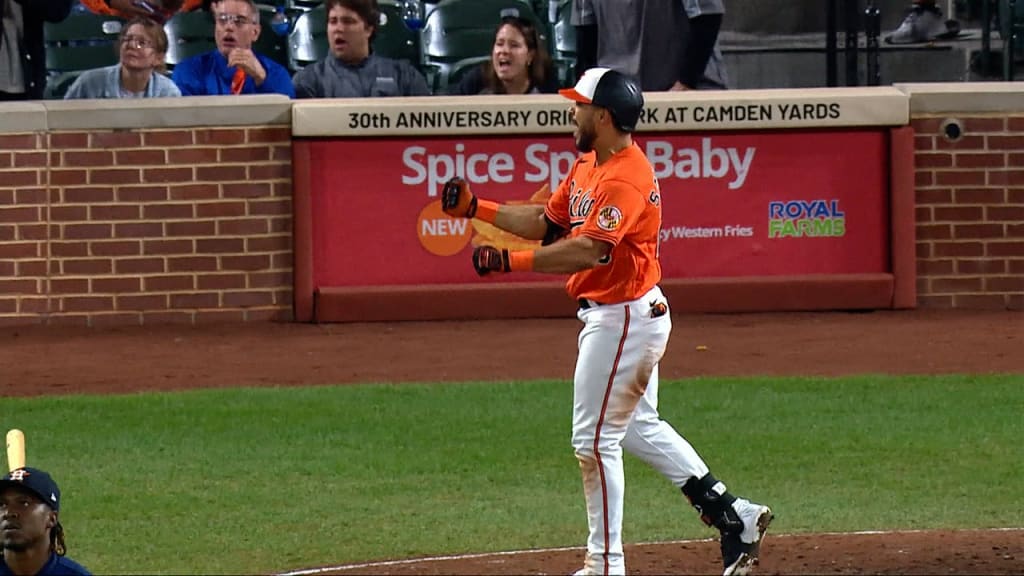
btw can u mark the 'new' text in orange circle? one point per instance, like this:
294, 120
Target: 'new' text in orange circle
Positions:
441, 234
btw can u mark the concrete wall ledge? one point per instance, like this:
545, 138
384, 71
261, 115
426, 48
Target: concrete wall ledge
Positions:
548, 113
960, 97
21, 117
148, 113
860, 106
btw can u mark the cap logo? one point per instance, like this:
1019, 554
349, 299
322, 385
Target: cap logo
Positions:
609, 218
19, 475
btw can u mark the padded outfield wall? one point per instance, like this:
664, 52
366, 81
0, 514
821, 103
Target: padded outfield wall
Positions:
223, 209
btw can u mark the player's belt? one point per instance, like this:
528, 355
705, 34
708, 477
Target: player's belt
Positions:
586, 303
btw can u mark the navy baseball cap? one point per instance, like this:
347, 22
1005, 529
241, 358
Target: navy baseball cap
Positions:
35, 481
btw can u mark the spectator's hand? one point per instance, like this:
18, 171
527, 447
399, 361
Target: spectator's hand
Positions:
247, 61
679, 87
129, 10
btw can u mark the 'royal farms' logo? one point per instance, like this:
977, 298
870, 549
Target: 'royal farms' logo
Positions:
806, 219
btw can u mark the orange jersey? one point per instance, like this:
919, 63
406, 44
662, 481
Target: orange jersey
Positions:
618, 202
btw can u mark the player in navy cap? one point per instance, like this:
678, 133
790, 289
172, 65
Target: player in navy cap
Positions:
30, 532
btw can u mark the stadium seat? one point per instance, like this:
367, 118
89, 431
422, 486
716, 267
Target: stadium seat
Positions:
563, 50
302, 5
457, 30
394, 39
269, 43
83, 41
307, 41
188, 34
460, 68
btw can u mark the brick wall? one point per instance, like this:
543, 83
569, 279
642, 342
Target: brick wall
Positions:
970, 213
146, 226
23, 227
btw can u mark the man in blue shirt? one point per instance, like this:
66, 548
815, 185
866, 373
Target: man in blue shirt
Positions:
30, 532
233, 68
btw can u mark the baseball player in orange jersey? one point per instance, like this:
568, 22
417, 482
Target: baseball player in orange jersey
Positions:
602, 226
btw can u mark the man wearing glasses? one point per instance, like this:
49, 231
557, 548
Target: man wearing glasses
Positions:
233, 68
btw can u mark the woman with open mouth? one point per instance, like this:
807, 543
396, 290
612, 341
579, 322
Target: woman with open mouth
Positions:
519, 63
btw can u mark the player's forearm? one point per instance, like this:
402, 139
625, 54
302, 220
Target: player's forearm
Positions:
525, 221
569, 256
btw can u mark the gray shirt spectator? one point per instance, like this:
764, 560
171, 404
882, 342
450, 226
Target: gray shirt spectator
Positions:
663, 44
639, 39
705, 20
375, 76
143, 48
106, 83
352, 70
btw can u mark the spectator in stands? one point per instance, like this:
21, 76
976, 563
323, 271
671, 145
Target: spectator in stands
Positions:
159, 10
924, 23
352, 70
233, 68
143, 45
519, 63
702, 58
22, 52
663, 44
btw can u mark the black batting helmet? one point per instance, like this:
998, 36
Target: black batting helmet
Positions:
609, 89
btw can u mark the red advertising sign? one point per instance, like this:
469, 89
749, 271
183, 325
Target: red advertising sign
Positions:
751, 204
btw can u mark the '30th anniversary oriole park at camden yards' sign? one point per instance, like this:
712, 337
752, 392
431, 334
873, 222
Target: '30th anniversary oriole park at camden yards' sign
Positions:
752, 203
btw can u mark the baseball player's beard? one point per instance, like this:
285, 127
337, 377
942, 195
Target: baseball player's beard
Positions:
19, 545
584, 139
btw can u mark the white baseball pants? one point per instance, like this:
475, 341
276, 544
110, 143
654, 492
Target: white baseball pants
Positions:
615, 405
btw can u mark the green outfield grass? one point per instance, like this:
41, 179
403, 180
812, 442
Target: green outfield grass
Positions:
258, 480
